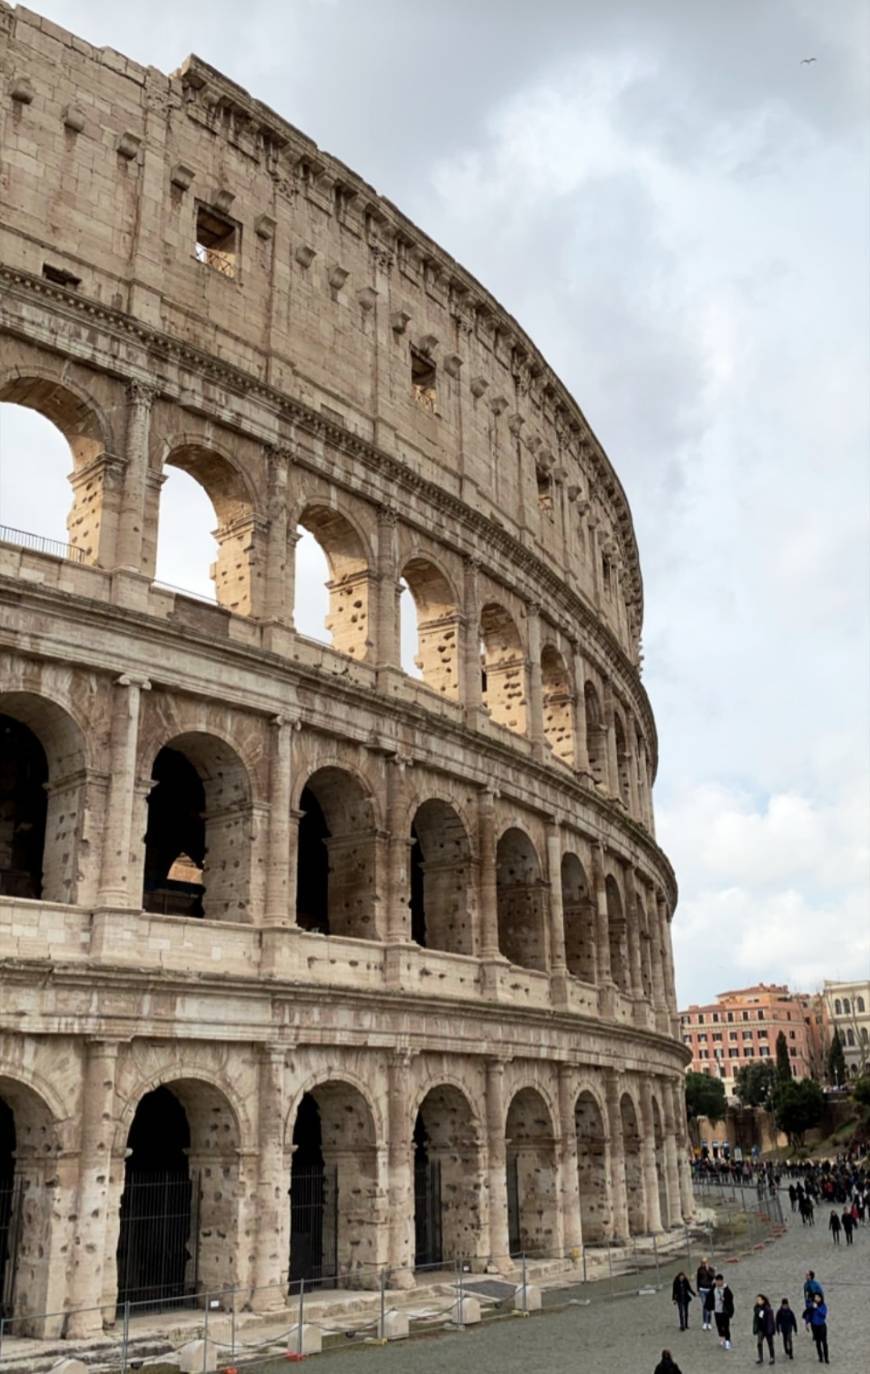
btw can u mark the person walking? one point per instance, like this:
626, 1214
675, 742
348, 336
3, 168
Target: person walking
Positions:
819, 1327
763, 1328
723, 1310
704, 1280
666, 1364
786, 1325
834, 1227
811, 1288
848, 1224
682, 1294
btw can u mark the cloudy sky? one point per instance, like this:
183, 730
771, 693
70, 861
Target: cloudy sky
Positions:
675, 207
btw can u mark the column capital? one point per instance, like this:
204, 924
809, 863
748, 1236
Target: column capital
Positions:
141, 393
287, 720
132, 680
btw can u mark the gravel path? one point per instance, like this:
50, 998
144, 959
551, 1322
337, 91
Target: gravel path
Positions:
626, 1335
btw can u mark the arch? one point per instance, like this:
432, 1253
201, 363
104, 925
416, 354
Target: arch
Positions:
850, 1038
334, 1217
558, 699
437, 616
617, 934
335, 884
441, 889
532, 1176
349, 585
29, 1146
596, 734
580, 918
43, 771
859, 1004
520, 900
623, 760
592, 1168
227, 487
448, 1177
504, 668
631, 1146
179, 1214
661, 1176
847, 1007
838, 1007
198, 835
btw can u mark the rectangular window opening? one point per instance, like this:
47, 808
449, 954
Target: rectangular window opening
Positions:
423, 376
545, 490
60, 276
217, 242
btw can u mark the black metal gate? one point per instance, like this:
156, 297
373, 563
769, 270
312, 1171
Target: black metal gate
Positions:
158, 1246
314, 1224
428, 1245
515, 1236
11, 1202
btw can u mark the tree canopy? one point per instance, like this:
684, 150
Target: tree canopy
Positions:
861, 1091
798, 1106
705, 1096
756, 1083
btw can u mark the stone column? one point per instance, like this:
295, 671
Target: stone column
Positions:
280, 578
648, 1159
470, 660
619, 1197
605, 973
488, 897
572, 1219
687, 1196
280, 907
401, 1178
388, 651
131, 522
558, 963
581, 743
89, 1258
536, 691
117, 864
398, 913
667, 957
672, 1171
272, 1221
610, 742
496, 1120
632, 922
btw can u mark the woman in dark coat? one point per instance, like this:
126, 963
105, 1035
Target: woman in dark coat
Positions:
682, 1294
763, 1328
834, 1228
666, 1364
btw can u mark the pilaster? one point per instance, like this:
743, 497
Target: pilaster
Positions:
89, 1256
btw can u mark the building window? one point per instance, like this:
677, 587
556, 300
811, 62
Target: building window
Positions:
217, 241
423, 380
764, 1051
847, 1006
717, 1035
864, 1035
791, 1035
732, 1035
733, 1054
838, 1007
793, 1052
702, 1038
745, 1015
702, 1054
716, 1016
850, 1038
762, 1034
760, 1014
687, 1039
730, 1016
747, 1035
749, 1051
700, 1018
544, 484
859, 1003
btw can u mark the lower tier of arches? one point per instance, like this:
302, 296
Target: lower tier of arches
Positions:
151, 1172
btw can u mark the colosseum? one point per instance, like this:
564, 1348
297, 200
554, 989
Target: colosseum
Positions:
311, 967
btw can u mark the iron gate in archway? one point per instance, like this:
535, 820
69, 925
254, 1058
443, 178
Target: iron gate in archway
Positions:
515, 1235
11, 1202
158, 1246
314, 1225
428, 1243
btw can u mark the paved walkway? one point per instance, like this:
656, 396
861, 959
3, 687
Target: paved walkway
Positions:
626, 1335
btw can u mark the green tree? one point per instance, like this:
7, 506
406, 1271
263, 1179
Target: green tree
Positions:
861, 1091
756, 1083
783, 1066
798, 1106
837, 1061
705, 1096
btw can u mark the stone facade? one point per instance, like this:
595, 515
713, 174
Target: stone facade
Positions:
312, 943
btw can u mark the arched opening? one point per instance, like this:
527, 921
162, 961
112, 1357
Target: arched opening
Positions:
227, 556
335, 884
635, 1198
558, 705
531, 1176
42, 425
348, 584
441, 914
661, 1176
596, 735
178, 1230
592, 1173
198, 837
448, 1179
42, 789
623, 760
29, 1204
437, 627
580, 921
520, 897
617, 931
504, 669
333, 1189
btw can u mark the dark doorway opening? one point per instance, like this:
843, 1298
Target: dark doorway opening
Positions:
428, 1243
10, 1209
312, 884
418, 897
313, 1202
515, 1240
175, 838
158, 1253
23, 805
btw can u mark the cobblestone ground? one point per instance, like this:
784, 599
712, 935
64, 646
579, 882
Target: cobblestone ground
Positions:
626, 1335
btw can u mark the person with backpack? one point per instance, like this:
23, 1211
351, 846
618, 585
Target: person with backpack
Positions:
763, 1328
682, 1294
786, 1325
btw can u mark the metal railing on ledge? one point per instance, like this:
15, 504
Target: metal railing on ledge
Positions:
39, 544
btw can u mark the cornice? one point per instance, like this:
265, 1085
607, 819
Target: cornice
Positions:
314, 423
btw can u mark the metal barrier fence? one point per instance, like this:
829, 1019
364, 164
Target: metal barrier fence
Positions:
39, 544
263, 1327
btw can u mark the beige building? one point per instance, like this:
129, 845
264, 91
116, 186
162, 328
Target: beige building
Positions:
742, 1027
848, 1007
306, 966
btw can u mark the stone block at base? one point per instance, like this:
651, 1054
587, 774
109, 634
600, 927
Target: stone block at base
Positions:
528, 1300
395, 1326
312, 1340
67, 1366
469, 1314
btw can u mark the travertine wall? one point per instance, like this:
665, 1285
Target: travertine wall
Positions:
322, 364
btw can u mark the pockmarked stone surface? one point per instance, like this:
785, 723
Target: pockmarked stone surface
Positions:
308, 966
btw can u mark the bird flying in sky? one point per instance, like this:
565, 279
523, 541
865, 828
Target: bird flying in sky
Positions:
806, 60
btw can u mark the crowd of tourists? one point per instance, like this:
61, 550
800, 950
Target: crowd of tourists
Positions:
717, 1310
